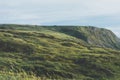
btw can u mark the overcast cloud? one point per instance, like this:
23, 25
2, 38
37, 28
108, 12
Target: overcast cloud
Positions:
101, 13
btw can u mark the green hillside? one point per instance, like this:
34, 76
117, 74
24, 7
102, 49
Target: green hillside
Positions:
60, 52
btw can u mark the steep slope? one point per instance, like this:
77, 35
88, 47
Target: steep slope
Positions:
94, 36
58, 52
87, 35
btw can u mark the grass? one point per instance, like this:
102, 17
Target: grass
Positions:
34, 53
5, 75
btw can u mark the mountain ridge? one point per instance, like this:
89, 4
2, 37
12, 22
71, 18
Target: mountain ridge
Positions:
94, 36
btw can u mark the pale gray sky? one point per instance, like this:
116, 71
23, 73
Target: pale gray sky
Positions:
101, 13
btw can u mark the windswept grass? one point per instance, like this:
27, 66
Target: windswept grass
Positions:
9, 75
63, 53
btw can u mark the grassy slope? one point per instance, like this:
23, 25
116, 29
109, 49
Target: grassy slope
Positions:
54, 53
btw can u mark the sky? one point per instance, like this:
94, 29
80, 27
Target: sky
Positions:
99, 13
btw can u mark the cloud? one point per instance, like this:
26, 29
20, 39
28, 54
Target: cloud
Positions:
73, 8
67, 12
